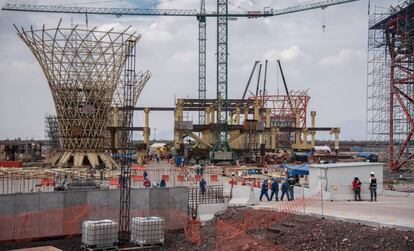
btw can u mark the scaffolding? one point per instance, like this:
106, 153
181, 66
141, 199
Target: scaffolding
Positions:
52, 131
390, 87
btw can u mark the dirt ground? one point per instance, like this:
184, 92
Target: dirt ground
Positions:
244, 229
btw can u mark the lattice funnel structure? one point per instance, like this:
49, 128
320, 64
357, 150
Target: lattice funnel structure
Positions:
83, 69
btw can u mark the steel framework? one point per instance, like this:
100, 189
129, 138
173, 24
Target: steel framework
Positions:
222, 76
52, 131
83, 68
222, 15
390, 107
202, 36
283, 109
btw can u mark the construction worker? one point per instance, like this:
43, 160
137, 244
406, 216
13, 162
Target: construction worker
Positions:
145, 174
264, 191
373, 186
285, 190
356, 186
203, 185
147, 183
275, 190
291, 182
162, 183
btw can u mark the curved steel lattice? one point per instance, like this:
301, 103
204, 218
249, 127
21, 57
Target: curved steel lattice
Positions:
83, 69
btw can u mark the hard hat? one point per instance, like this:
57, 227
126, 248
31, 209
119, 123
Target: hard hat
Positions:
356, 176
372, 173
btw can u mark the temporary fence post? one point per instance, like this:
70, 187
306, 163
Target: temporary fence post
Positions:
322, 202
303, 198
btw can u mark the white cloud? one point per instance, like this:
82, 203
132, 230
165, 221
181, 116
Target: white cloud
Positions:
290, 54
343, 57
185, 56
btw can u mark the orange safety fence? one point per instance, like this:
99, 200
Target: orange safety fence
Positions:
55, 222
68, 222
233, 182
137, 177
137, 168
198, 177
114, 182
166, 178
47, 182
213, 178
180, 178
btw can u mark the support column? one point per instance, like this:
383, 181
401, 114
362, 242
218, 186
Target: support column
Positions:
237, 116
313, 114
297, 125
212, 117
246, 113
146, 127
275, 132
178, 123
207, 122
257, 110
268, 134
336, 132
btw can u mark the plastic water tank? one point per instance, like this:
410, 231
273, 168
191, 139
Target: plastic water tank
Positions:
147, 230
100, 233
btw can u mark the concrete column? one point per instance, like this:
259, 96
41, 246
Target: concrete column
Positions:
313, 114
237, 116
230, 118
178, 121
257, 110
207, 121
267, 118
297, 125
274, 133
336, 132
146, 127
246, 113
305, 136
212, 117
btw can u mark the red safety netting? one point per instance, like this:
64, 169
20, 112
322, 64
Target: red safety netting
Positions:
68, 222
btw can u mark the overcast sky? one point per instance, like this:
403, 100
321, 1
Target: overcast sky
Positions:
331, 65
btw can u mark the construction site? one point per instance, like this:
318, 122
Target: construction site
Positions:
258, 162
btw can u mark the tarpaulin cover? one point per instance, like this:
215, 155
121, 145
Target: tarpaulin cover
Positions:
297, 169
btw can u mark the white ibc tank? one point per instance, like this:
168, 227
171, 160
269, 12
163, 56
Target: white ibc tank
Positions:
147, 230
100, 233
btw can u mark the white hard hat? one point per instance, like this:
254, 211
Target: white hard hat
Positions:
356, 176
372, 173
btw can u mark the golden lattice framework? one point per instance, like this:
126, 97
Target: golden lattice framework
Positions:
84, 71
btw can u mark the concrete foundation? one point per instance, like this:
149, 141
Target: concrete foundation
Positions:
35, 215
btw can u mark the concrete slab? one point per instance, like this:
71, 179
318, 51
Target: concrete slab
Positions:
159, 199
50, 201
74, 198
206, 212
178, 199
27, 203
140, 199
243, 196
396, 212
